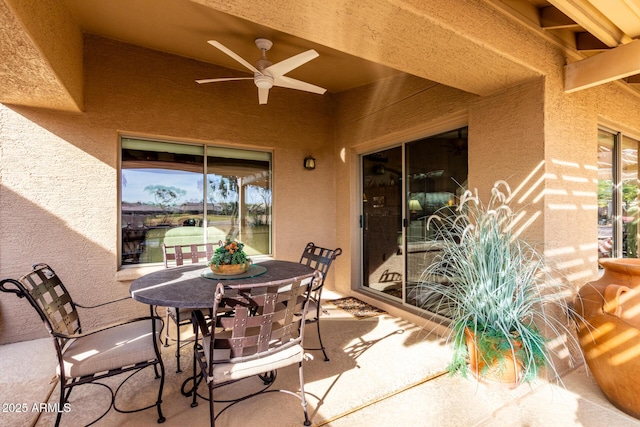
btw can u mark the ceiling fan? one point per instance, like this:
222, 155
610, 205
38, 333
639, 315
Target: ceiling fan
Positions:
265, 74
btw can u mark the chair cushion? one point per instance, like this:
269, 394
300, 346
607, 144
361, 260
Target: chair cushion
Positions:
229, 371
112, 348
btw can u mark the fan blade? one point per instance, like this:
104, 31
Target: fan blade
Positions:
283, 67
290, 83
226, 79
233, 55
263, 95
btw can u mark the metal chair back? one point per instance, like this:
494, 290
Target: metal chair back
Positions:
254, 330
320, 259
49, 297
179, 253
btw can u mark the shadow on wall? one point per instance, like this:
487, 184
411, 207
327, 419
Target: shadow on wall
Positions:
86, 268
128, 89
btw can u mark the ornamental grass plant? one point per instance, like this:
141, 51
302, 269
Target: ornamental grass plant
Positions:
490, 282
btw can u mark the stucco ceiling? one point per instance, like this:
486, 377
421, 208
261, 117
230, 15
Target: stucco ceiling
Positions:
182, 28
41, 44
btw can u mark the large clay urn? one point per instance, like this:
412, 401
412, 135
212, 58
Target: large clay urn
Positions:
610, 335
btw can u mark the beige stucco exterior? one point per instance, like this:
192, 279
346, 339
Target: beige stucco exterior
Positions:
59, 162
60, 170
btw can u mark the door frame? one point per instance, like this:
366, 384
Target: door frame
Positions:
453, 123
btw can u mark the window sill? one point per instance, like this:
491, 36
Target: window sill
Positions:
130, 273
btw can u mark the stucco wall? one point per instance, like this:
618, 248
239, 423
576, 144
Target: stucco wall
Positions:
59, 171
41, 51
371, 117
542, 141
546, 151
506, 142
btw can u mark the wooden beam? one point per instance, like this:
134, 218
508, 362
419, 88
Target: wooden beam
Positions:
634, 80
588, 42
552, 18
614, 64
592, 20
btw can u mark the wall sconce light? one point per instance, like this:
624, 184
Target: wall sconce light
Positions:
309, 163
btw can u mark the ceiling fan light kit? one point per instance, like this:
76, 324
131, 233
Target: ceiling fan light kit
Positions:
265, 74
263, 81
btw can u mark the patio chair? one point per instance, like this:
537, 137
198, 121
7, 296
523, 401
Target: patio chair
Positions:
175, 256
262, 335
86, 357
319, 259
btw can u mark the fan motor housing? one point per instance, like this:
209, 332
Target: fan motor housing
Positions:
261, 64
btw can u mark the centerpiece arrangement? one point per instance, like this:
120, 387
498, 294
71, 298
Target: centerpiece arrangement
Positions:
229, 258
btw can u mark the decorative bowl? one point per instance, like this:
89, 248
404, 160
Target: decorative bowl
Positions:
229, 269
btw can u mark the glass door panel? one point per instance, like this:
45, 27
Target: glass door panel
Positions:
629, 172
606, 205
617, 196
436, 176
382, 261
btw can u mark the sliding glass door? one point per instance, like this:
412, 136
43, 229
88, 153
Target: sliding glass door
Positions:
402, 187
436, 171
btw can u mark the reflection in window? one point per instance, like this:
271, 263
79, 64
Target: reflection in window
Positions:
617, 195
437, 173
402, 187
190, 194
605, 194
239, 197
629, 199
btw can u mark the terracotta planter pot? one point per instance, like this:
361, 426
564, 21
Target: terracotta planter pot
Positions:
505, 371
229, 270
610, 340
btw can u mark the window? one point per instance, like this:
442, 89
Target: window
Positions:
184, 194
617, 195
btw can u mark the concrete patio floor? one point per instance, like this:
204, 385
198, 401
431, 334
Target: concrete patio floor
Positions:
383, 371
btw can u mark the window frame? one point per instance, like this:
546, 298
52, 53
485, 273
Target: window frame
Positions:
618, 136
208, 150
